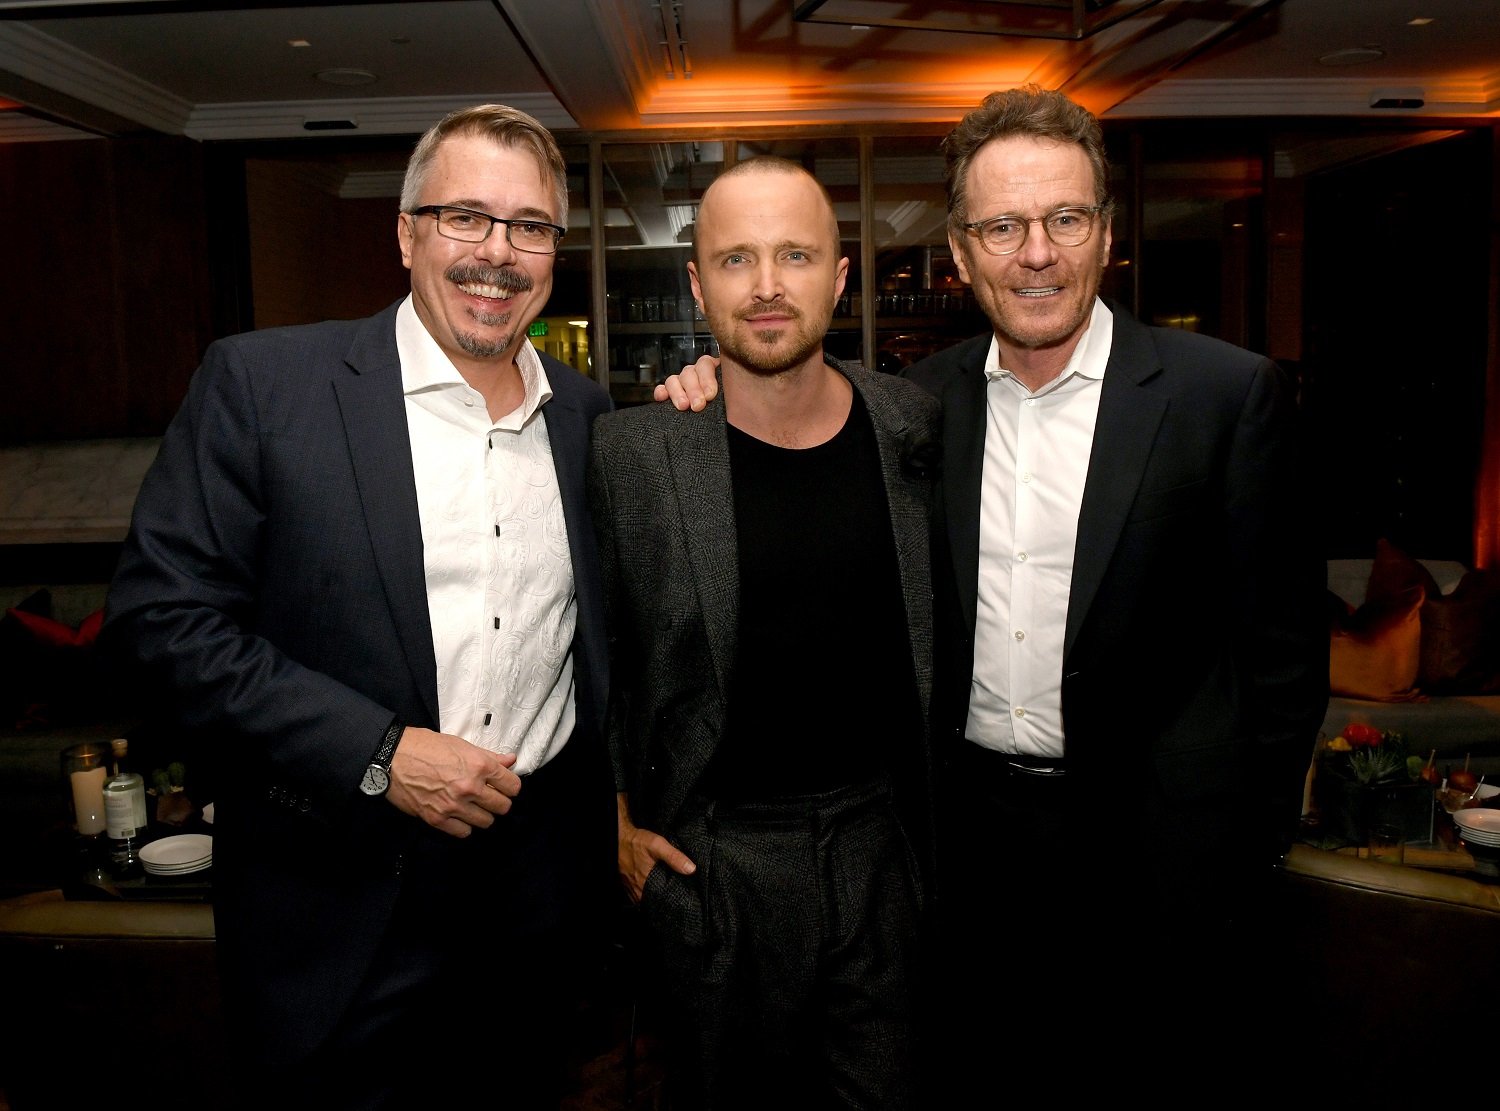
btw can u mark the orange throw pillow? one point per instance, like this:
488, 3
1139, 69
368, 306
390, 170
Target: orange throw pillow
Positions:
1375, 652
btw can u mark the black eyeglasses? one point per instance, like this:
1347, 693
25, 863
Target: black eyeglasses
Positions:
469, 226
1005, 235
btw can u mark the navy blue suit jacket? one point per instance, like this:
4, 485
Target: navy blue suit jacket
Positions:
273, 584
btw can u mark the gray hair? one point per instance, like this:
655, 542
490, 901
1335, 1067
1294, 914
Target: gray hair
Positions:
510, 127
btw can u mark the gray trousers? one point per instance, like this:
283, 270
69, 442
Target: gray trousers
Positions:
791, 955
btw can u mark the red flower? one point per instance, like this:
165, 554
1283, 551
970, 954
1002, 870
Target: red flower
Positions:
1360, 735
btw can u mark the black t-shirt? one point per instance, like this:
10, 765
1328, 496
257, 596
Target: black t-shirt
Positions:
822, 684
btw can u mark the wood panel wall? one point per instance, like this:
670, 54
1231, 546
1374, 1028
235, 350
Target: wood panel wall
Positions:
105, 288
313, 255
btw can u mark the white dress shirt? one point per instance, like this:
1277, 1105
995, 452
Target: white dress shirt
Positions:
495, 548
1036, 460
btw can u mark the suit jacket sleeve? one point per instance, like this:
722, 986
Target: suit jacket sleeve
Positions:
189, 593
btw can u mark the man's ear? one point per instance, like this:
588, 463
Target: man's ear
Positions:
956, 244
406, 232
694, 284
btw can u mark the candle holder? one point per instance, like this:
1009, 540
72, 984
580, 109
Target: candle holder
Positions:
84, 769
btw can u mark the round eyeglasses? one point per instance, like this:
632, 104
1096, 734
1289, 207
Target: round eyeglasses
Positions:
1067, 227
469, 226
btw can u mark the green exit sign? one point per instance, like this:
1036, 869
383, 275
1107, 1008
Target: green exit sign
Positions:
538, 328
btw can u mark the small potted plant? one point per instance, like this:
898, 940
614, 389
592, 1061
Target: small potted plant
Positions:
1362, 770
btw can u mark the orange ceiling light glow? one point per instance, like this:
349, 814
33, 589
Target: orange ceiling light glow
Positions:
1045, 19
764, 93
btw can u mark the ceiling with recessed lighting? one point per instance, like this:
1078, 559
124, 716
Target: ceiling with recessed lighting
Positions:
254, 70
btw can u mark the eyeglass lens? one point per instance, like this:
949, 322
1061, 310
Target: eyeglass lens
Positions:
475, 227
1067, 227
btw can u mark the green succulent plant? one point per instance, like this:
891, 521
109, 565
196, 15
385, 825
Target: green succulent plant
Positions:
1378, 765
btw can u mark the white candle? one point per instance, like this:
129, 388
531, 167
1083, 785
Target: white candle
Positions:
88, 800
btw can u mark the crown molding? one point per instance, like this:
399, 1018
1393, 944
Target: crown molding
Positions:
370, 115
18, 127
48, 62
1310, 97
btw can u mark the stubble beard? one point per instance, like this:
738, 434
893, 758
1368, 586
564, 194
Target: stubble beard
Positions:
769, 352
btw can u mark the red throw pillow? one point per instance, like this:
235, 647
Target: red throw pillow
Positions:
54, 633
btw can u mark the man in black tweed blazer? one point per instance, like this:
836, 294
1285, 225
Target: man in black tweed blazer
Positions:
769, 598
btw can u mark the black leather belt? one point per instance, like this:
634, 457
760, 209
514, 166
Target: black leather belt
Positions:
1012, 763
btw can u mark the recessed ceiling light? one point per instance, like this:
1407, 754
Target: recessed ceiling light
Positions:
1353, 56
345, 76
579, 323
298, 42
1420, 21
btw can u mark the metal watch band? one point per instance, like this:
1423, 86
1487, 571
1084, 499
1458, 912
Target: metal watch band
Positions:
387, 748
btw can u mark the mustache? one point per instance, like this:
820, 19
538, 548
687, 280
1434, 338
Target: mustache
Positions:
781, 308
507, 276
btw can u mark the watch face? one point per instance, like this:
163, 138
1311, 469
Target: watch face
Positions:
376, 780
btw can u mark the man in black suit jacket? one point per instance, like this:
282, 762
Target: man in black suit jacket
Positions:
1131, 657
362, 568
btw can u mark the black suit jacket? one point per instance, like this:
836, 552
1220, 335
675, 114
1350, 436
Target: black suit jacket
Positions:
1195, 671
273, 584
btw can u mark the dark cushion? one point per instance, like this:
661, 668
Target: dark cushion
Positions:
1461, 637
1394, 573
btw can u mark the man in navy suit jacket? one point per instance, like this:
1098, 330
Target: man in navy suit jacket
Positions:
362, 568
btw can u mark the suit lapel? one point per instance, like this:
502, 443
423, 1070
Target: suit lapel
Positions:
698, 456
568, 435
373, 409
1123, 436
963, 471
910, 527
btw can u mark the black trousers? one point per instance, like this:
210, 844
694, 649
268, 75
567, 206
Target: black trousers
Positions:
792, 955
1073, 943
471, 998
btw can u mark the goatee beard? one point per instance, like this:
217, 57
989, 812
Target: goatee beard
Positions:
506, 277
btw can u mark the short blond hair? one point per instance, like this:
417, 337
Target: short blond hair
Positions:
772, 164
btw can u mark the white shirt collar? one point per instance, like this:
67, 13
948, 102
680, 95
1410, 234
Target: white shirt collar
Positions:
1088, 360
425, 366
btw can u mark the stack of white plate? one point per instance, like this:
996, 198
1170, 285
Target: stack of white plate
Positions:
178, 856
1479, 826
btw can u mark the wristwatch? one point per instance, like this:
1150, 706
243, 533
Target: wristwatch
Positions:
377, 777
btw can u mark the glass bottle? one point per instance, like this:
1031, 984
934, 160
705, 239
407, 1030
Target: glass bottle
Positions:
124, 813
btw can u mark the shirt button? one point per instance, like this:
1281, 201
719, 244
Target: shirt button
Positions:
1025, 476
1021, 557
468, 402
1019, 635
1031, 401
1020, 711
